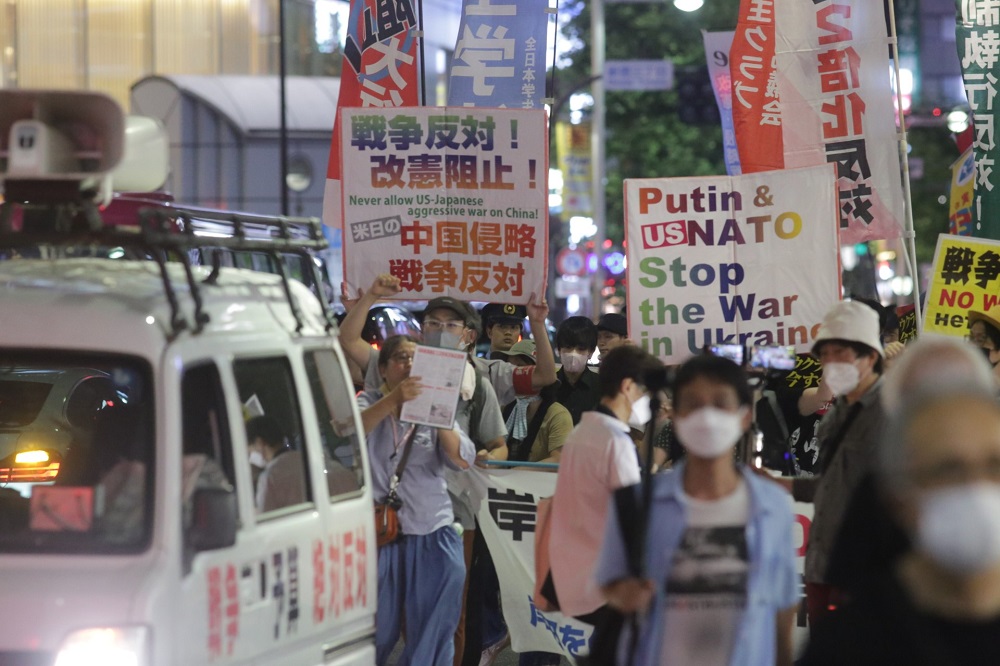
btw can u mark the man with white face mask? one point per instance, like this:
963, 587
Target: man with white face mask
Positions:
939, 471
720, 585
576, 340
848, 346
598, 457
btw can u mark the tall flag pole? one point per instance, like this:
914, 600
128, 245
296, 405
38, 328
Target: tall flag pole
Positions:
380, 69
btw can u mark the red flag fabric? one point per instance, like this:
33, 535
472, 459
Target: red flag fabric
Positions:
756, 111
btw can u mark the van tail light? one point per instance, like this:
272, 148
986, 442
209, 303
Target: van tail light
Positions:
33, 466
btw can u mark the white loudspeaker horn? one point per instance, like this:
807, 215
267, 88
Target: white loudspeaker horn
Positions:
59, 135
146, 163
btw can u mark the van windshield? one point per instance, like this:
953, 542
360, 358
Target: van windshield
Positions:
76, 453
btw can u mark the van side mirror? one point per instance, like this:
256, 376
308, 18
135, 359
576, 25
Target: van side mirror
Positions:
213, 519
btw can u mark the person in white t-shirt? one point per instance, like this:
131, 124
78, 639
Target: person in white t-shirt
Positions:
598, 457
719, 585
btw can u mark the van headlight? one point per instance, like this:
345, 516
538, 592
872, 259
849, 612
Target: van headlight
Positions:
105, 646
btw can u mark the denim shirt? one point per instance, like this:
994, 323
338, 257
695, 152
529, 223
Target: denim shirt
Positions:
773, 584
422, 488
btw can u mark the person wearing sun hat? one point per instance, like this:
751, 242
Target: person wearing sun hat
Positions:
848, 346
984, 332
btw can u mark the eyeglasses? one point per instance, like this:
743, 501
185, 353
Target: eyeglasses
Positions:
454, 326
401, 359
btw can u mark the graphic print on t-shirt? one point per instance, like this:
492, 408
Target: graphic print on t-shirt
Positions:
705, 596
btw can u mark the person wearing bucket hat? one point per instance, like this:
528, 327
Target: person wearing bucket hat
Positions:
847, 344
984, 332
521, 353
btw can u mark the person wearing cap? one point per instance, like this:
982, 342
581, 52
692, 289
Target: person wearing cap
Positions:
984, 332
612, 331
848, 346
503, 323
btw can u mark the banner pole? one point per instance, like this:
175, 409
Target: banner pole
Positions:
597, 129
422, 71
909, 235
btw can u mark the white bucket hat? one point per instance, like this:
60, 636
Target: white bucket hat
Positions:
852, 321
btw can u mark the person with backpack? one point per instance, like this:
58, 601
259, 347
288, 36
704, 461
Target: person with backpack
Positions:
537, 425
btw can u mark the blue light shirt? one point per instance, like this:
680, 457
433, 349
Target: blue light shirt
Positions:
423, 490
773, 583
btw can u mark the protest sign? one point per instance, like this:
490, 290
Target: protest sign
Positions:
380, 69
966, 276
837, 107
507, 520
757, 108
963, 172
976, 37
575, 157
500, 54
717, 45
749, 259
451, 201
440, 372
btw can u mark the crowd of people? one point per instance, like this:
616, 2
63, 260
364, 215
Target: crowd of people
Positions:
693, 562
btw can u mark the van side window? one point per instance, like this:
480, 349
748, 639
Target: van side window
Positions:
333, 398
208, 450
274, 433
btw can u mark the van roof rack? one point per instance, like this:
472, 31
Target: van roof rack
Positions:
165, 232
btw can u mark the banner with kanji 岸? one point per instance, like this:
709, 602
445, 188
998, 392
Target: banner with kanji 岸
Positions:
379, 70
978, 38
837, 107
452, 201
500, 54
965, 276
749, 259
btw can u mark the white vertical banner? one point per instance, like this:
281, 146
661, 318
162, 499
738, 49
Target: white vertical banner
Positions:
836, 106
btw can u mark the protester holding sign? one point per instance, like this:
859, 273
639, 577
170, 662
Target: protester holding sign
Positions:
420, 574
720, 585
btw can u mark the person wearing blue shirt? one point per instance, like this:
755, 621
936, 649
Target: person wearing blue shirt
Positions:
719, 585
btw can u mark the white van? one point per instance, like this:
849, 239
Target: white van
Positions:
130, 529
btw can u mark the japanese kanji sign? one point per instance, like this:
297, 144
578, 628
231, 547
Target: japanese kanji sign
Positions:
966, 277
573, 151
500, 54
756, 105
836, 106
978, 38
963, 172
717, 47
379, 70
453, 201
748, 259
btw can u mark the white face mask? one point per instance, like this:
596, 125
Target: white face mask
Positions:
444, 340
640, 413
959, 527
710, 432
257, 459
841, 377
573, 362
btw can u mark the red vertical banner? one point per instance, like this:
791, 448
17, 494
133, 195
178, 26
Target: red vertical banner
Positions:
756, 107
380, 69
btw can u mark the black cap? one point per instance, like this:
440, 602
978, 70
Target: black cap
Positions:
614, 323
493, 313
464, 312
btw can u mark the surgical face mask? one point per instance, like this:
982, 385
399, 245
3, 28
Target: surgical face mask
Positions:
841, 377
710, 432
640, 413
959, 527
257, 459
573, 362
443, 340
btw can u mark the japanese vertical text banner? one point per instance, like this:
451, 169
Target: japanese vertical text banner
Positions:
977, 34
749, 259
500, 54
575, 157
756, 106
717, 46
837, 107
966, 276
452, 201
379, 69
963, 172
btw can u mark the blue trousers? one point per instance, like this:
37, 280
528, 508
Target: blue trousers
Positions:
420, 581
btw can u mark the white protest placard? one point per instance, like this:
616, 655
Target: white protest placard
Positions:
452, 201
750, 259
440, 372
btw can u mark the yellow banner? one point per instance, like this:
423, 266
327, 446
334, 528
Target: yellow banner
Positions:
966, 277
573, 148
962, 182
